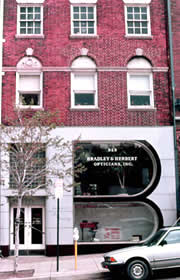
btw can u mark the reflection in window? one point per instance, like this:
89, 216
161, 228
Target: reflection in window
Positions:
124, 168
173, 237
115, 222
29, 171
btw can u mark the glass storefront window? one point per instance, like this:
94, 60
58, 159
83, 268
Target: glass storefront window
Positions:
126, 168
115, 221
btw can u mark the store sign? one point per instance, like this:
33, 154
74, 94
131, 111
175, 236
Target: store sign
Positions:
111, 233
112, 161
127, 168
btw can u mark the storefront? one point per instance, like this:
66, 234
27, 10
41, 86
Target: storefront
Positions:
110, 204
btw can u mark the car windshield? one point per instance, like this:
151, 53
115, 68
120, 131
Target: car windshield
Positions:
155, 238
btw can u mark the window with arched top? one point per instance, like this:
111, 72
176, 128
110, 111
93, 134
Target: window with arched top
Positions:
29, 80
140, 83
84, 83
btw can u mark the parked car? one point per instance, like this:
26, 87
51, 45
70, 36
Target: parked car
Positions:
139, 262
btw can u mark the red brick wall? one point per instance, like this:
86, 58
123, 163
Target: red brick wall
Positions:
111, 48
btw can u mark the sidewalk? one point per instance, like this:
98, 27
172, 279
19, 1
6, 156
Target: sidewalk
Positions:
44, 268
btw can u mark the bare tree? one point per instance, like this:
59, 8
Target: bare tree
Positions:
26, 140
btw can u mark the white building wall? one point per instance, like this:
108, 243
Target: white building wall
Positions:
161, 138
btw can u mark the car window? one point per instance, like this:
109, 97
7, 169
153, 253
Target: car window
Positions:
152, 241
173, 237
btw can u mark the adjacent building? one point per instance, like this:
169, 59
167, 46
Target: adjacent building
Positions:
175, 39
103, 65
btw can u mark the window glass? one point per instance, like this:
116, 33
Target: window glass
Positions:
137, 20
115, 221
125, 168
21, 226
30, 19
139, 100
84, 99
29, 99
83, 20
140, 90
173, 237
33, 167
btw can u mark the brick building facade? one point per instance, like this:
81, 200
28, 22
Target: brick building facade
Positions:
104, 66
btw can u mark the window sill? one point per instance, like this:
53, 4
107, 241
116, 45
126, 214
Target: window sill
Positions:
80, 1
84, 109
30, 108
32, 36
142, 109
83, 36
139, 37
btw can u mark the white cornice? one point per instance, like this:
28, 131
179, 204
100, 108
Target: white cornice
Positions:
100, 69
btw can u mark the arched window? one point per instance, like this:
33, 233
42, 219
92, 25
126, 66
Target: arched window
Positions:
84, 83
29, 88
140, 83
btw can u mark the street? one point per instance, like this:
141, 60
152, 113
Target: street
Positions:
170, 275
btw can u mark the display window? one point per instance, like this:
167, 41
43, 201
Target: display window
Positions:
125, 169
116, 222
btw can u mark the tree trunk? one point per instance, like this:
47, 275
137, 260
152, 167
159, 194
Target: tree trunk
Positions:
17, 226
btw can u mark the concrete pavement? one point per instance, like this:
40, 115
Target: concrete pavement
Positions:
44, 268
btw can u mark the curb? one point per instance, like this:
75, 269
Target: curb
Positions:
82, 275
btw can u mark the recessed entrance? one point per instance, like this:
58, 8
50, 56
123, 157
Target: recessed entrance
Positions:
31, 234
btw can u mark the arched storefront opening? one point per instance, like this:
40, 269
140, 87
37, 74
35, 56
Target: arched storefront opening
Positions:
110, 198
127, 169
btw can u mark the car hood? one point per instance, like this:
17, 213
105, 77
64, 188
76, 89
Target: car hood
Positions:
125, 250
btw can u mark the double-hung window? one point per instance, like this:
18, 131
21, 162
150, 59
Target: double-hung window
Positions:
84, 89
29, 84
140, 89
30, 18
140, 84
83, 18
137, 17
83, 84
29, 89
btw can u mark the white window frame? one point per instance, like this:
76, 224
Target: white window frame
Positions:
32, 5
18, 91
74, 91
87, 5
138, 92
148, 19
